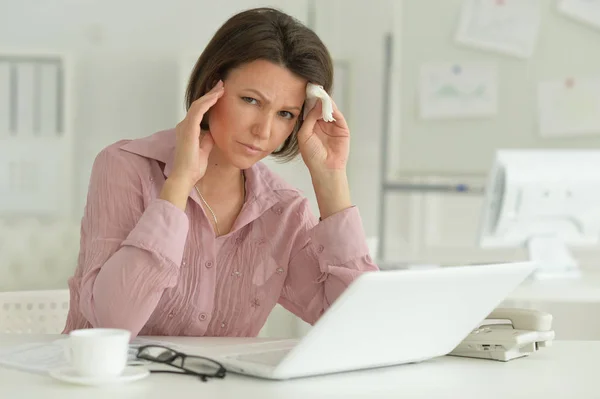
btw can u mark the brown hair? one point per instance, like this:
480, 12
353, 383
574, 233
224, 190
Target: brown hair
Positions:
267, 34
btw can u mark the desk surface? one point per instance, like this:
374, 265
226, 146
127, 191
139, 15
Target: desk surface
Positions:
567, 369
578, 289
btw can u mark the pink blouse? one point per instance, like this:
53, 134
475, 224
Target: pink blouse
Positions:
147, 266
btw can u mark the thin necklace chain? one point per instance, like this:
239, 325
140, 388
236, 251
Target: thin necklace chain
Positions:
210, 209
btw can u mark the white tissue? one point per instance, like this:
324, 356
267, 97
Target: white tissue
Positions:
315, 92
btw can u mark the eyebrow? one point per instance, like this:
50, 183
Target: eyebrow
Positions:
264, 98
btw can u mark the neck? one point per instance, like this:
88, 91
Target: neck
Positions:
220, 178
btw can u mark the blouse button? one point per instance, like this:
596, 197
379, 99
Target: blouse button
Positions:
171, 315
279, 270
202, 316
320, 249
208, 264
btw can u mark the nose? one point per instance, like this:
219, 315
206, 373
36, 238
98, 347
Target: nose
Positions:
262, 126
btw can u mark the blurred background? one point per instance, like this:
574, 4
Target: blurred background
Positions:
431, 89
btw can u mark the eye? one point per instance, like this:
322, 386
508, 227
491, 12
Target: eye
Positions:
287, 114
250, 100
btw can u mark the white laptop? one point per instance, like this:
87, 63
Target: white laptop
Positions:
386, 318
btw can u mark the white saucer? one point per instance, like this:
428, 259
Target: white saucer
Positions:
130, 374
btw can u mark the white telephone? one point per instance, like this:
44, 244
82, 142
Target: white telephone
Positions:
527, 331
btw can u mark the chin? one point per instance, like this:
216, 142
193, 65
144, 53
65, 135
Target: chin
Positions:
242, 162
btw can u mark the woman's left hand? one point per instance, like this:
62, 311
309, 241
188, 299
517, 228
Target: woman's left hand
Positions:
324, 146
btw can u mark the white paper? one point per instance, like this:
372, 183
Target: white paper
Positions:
43, 357
506, 26
569, 107
586, 11
458, 90
37, 358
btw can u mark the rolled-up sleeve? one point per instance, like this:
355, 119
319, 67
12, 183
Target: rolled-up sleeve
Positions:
327, 256
129, 253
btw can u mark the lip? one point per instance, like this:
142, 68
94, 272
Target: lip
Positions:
252, 148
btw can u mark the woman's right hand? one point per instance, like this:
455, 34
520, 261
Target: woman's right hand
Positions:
191, 150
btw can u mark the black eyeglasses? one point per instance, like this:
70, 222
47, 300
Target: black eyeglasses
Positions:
193, 365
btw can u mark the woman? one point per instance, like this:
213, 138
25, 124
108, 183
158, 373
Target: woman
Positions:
185, 232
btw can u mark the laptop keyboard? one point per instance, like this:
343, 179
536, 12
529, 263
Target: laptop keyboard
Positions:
270, 357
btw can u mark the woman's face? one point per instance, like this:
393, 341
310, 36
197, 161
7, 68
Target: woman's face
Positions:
257, 112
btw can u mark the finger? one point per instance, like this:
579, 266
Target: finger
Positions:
214, 91
314, 114
309, 122
203, 104
200, 106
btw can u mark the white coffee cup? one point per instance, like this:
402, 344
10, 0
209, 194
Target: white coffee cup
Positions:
98, 352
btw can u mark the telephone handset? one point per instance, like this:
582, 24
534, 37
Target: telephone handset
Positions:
526, 331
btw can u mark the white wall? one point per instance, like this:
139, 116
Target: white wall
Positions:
564, 49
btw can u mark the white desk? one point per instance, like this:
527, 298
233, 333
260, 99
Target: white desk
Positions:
566, 370
585, 289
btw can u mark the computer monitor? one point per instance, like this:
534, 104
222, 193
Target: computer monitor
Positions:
546, 201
